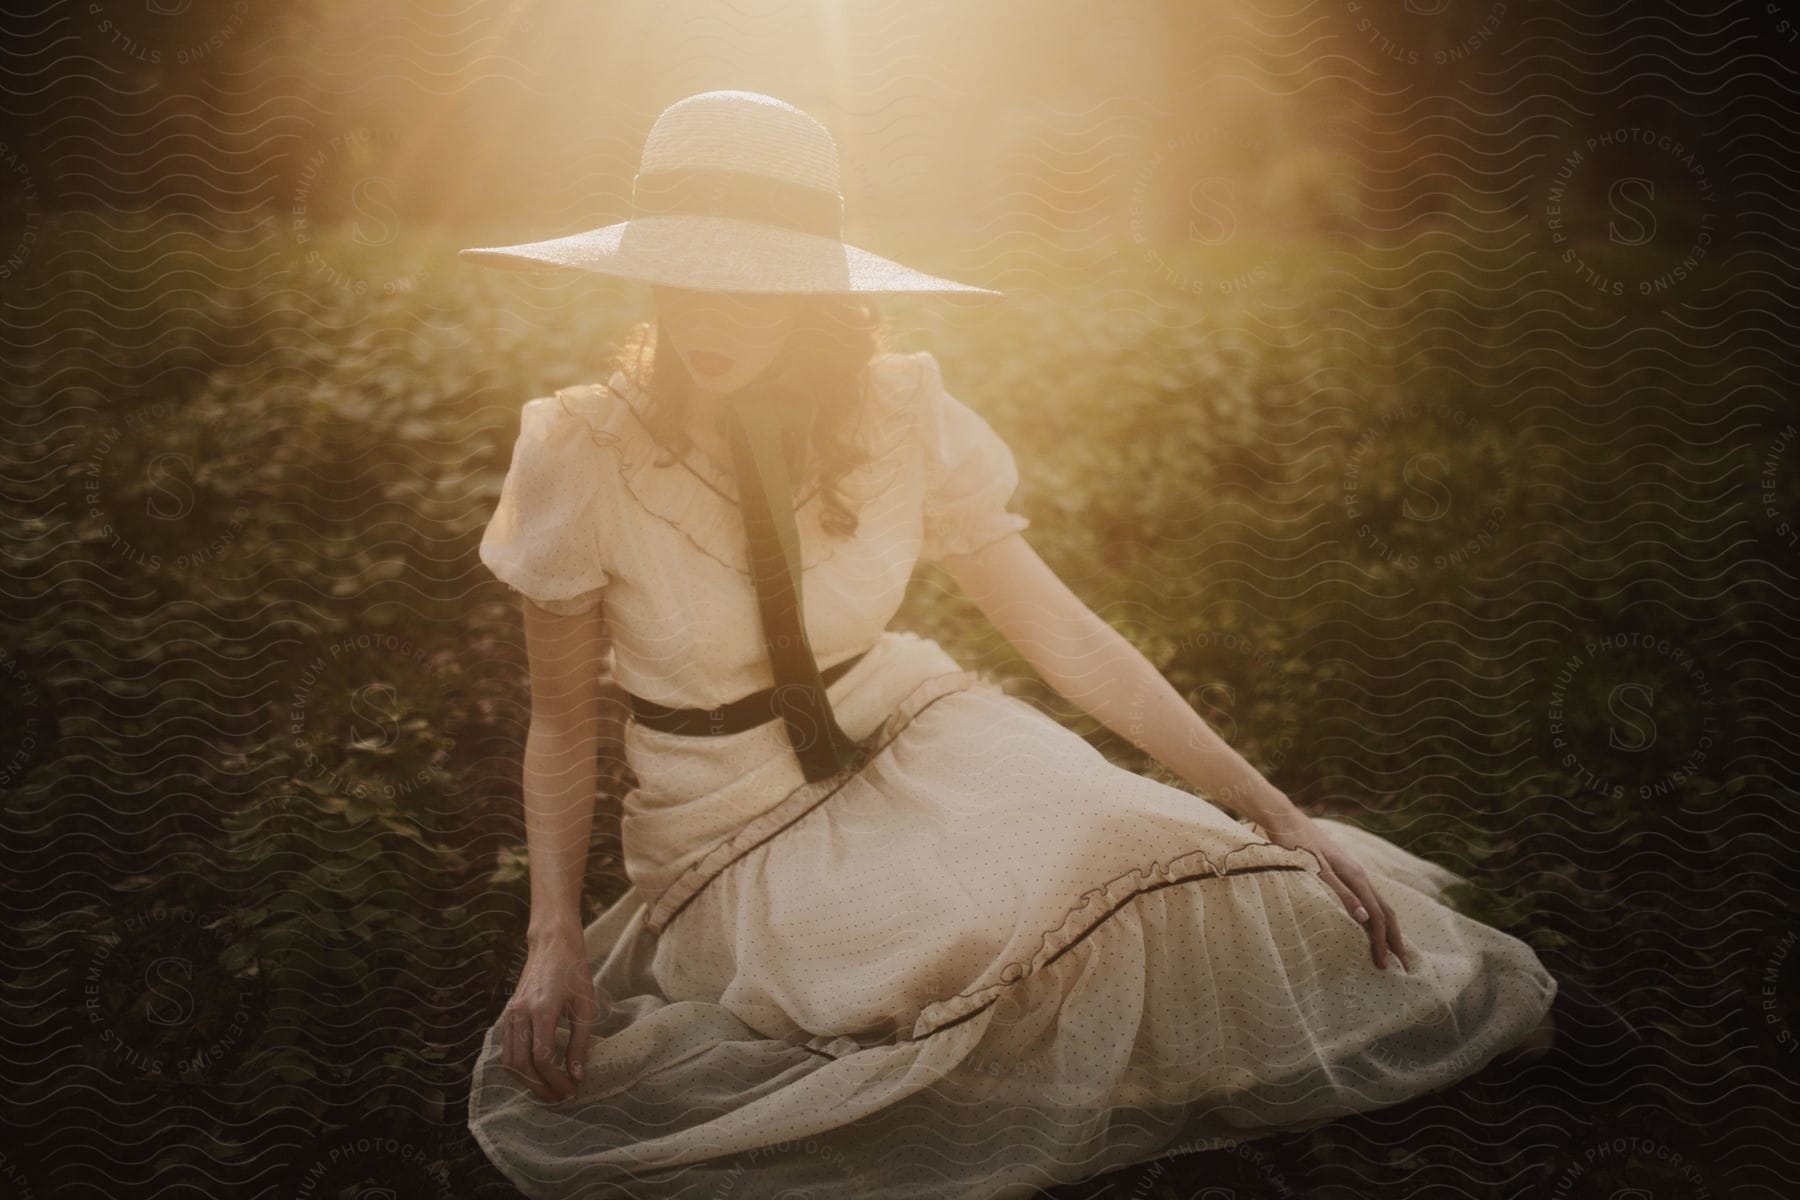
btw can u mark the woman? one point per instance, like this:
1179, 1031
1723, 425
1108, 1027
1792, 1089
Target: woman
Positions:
891, 930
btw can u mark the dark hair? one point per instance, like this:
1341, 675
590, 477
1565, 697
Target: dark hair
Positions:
820, 373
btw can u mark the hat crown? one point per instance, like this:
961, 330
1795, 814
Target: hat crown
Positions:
735, 191
743, 131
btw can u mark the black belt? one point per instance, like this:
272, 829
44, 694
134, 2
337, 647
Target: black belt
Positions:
755, 709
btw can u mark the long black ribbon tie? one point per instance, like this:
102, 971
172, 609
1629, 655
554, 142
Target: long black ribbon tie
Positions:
773, 538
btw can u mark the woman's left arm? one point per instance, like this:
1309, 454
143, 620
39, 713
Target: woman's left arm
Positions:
1096, 667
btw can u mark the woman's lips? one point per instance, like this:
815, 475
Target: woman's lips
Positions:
707, 363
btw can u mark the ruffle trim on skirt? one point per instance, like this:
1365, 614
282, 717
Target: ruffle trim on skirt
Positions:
1098, 904
1093, 908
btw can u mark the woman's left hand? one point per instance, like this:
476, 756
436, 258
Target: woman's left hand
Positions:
1338, 868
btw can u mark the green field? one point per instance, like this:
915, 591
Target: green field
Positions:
1446, 540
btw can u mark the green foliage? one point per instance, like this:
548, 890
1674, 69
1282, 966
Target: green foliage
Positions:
280, 688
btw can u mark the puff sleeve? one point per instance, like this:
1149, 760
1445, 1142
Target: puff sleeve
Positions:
970, 474
546, 536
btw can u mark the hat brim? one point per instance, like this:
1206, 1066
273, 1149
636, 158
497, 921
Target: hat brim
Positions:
723, 254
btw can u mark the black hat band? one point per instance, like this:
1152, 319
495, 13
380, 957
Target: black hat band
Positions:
745, 195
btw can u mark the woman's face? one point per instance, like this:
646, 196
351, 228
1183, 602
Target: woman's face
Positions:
725, 339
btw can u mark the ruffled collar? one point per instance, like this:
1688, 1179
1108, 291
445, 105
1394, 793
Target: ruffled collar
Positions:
696, 496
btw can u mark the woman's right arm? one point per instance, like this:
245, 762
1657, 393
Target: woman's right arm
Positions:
559, 788
565, 654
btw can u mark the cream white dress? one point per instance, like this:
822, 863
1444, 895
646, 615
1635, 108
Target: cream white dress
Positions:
986, 960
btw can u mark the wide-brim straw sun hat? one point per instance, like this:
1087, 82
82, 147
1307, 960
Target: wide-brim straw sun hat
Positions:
736, 191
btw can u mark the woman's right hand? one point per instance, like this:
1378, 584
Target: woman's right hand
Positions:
556, 982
